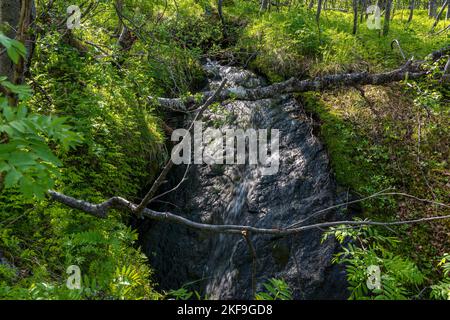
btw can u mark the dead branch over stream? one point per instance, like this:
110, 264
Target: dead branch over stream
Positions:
101, 210
410, 70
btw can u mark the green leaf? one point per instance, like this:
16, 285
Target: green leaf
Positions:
21, 159
12, 177
20, 48
9, 113
13, 54
4, 166
263, 296
19, 126
7, 148
21, 112
44, 152
14, 48
27, 187
24, 91
5, 41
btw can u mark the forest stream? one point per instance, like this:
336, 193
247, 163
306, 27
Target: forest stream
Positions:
224, 150
220, 265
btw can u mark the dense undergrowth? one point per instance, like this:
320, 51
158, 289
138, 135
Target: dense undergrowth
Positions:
377, 137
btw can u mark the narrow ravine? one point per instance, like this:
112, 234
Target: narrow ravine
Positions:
220, 266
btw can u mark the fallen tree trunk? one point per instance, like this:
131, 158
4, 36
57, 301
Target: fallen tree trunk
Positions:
294, 85
411, 70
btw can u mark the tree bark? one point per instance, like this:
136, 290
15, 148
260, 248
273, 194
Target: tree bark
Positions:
9, 20
363, 10
25, 19
355, 16
448, 11
222, 19
438, 17
411, 10
319, 10
264, 5
101, 211
387, 17
432, 8
294, 85
126, 38
119, 8
220, 11
16, 17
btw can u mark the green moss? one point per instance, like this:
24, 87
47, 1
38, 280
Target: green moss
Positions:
358, 163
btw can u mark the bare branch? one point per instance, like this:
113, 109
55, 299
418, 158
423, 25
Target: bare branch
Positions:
150, 194
345, 204
395, 41
375, 195
183, 179
101, 210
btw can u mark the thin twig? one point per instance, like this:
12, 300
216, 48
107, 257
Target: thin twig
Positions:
253, 256
150, 194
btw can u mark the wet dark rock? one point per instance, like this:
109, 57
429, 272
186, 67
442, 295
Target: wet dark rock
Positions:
220, 265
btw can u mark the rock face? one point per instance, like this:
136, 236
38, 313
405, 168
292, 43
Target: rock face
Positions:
220, 266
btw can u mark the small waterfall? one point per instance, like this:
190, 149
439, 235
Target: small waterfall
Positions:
220, 265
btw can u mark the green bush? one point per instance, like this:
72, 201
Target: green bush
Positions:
399, 278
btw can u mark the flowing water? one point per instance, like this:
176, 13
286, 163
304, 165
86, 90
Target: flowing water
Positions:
220, 266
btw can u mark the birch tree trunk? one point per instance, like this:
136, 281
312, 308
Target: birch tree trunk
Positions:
264, 5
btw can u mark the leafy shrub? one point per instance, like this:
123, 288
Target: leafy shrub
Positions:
25, 157
120, 152
363, 247
276, 289
441, 290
